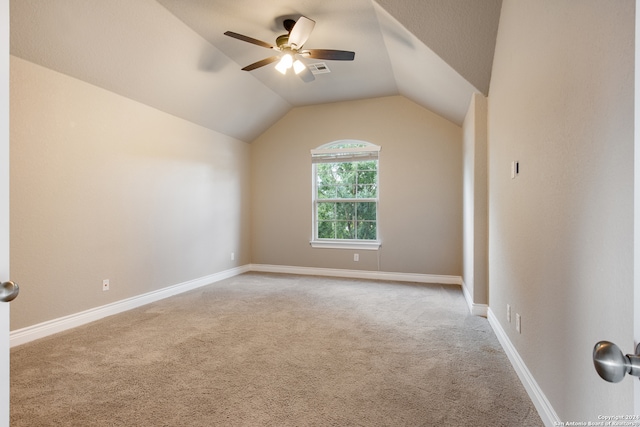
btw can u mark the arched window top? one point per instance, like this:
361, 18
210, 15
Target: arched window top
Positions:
347, 143
345, 150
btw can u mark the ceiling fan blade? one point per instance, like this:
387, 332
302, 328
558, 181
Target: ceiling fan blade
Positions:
249, 39
330, 54
301, 31
306, 75
261, 63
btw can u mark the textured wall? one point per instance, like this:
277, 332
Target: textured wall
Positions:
561, 233
462, 32
103, 187
420, 187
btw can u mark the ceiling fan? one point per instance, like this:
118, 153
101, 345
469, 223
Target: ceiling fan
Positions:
290, 47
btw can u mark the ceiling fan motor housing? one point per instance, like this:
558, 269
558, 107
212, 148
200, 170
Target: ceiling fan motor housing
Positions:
282, 40
288, 24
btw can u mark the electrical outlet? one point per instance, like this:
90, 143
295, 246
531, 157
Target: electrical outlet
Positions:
509, 313
233, 256
518, 323
105, 285
356, 257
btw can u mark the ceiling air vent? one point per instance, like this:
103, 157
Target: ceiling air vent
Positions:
319, 68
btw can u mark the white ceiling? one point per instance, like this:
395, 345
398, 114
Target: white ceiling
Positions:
173, 55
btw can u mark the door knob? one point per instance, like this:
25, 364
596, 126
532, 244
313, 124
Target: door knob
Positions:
9, 291
612, 365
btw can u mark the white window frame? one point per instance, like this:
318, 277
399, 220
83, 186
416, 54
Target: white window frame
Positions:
327, 154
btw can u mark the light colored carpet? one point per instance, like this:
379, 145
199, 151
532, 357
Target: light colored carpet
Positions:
276, 350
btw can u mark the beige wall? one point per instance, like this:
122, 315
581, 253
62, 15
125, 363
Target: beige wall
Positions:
103, 187
561, 233
420, 187
475, 201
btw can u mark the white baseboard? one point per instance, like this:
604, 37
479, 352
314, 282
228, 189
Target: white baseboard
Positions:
41, 330
358, 274
545, 410
475, 309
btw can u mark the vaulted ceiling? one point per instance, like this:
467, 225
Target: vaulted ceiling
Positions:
173, 54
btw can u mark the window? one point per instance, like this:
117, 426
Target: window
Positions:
345, 195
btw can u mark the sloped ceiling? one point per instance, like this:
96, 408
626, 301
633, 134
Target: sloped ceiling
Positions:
173, 55
462, 32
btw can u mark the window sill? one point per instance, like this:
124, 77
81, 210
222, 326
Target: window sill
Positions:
347, 244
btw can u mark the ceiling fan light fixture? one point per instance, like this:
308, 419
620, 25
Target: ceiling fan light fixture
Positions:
285, 63
289, 48
298, 66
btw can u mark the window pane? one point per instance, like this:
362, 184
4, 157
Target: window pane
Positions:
327, 192
366, 211
326, 230
345, 230
326, 211
345, 172
326, 176
366, 191
345, 211
369, 165
367, 230
346, 191
367, 177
